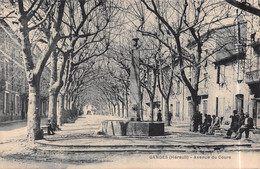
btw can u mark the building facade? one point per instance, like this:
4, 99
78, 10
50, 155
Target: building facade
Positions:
13, 82
252, 73
231, 77
230, 80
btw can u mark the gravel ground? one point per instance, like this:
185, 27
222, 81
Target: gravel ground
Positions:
16, 153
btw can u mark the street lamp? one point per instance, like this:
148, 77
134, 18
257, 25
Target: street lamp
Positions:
135, 42
136, 71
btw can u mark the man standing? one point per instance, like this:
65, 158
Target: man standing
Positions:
159, 115
248, 124
50, 129
170, 117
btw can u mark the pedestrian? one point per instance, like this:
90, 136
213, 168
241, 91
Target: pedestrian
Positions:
234, 124
248, 124
159, 115
170, 117
50, 129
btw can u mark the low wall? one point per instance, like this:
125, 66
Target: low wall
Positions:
131, 128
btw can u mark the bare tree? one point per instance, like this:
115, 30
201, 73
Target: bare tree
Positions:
193, 21
150, 64
31, 16
76, 37
243, 5
89, 25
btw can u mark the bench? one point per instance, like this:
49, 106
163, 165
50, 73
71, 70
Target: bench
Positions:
218, 132
221, 131
44, 129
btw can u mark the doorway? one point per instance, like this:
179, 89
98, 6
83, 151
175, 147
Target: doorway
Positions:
258, 113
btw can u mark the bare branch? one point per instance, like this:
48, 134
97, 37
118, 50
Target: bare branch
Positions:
44, 18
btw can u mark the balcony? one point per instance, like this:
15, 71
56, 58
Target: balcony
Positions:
202, 91
253, 77
225, 57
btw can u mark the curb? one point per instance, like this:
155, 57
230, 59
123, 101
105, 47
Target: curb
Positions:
142, 150
148, 146
49, 147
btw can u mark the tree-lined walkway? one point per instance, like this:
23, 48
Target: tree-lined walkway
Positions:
77, 145
81, 137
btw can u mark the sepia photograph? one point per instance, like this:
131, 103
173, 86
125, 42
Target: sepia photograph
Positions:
129, 84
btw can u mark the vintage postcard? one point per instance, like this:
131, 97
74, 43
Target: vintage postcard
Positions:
129, 84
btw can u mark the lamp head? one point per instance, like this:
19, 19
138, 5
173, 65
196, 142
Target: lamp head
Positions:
135, 42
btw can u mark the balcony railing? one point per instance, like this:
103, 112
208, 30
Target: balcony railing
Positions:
253, 76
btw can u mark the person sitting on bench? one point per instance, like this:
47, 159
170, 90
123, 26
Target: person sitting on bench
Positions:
50, 129
215, 124
234, 125
206, 124
248, 124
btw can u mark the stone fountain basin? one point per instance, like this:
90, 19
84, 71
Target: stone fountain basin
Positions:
132, 128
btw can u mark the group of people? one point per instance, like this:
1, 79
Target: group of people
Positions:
240, 123
206, 126
159, 116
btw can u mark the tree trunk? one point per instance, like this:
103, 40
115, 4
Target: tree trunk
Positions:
118, 109
114, 112
126, 104
151, 110
71, 104
34, 119
123, 110
141, 108
194, 96
166, 106
109, 109
66, 102
52, 116
60, 110
194, 108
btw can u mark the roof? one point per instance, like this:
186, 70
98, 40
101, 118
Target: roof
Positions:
192, 44
10, 28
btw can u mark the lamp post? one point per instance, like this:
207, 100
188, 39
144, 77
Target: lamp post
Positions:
136, 79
